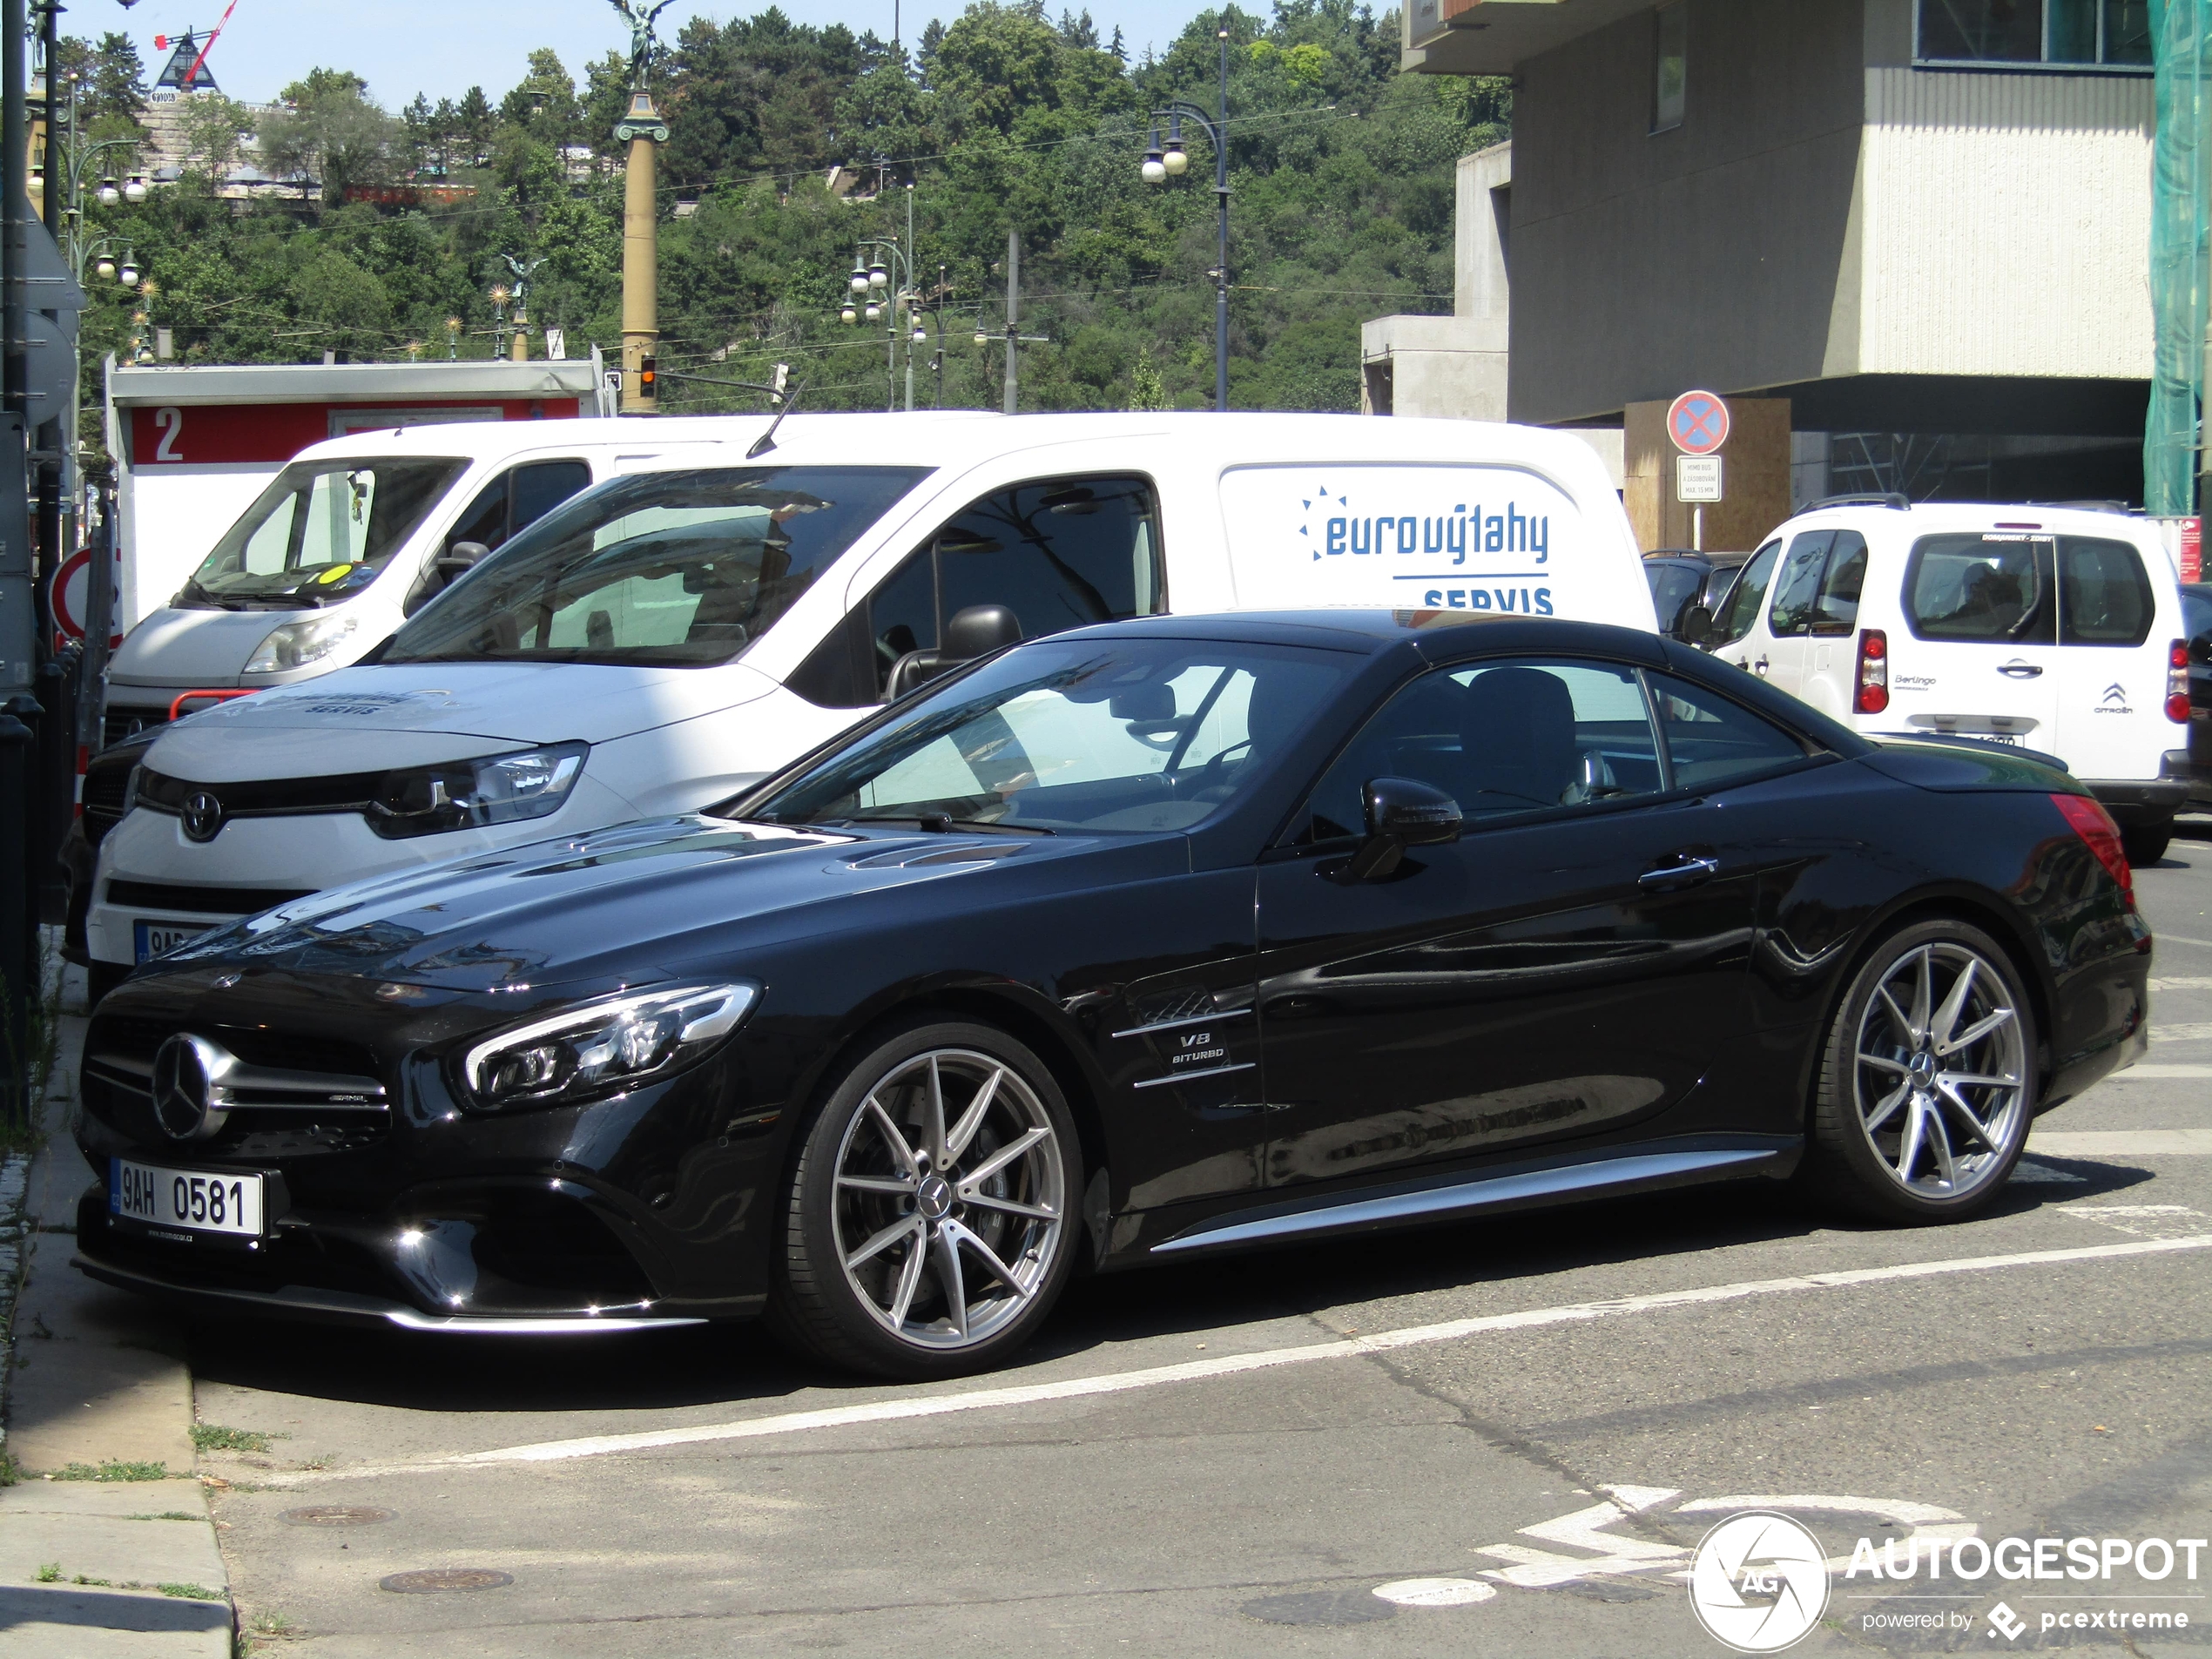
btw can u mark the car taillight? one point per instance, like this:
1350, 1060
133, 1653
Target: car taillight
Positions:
2095, 825
1873, 671
2177, 682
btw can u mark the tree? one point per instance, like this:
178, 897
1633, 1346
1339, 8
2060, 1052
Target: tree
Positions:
215, 131
473, 126
119, 80
329, 133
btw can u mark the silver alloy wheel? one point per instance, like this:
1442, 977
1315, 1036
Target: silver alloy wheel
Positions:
1940, 1077
949, 1199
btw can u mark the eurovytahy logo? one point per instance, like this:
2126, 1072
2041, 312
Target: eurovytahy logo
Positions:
1499, 533
1758, 1581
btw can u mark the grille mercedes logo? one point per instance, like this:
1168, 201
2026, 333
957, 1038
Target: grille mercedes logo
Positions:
203, 815
184, 1072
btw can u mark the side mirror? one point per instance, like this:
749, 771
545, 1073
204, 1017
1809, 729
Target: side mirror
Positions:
1400, 813
978, 631
1153, 703
1697, 627
458, 558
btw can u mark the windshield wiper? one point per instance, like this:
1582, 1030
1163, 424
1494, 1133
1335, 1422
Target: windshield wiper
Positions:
943, 823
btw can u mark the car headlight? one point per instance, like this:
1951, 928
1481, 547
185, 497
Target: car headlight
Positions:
466, 794
603, 1046
297, 644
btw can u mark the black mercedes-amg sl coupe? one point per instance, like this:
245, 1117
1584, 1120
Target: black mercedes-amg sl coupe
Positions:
1126, 945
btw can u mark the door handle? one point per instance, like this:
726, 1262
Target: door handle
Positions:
1759, 667
1685, 873
2021, 670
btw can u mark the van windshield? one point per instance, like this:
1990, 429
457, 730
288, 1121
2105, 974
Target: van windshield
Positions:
672, 569
318, 534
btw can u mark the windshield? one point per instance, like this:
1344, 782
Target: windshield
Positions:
318, 533
1127, 735
673, 569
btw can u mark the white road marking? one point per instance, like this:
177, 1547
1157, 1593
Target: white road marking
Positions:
2151, 1074
887, 1411
2122, 1143
2195, 1033
2176, 939
2199, 983
1435, 1592
2139, 1220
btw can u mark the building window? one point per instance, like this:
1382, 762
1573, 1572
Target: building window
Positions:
2113, 34
1670, 66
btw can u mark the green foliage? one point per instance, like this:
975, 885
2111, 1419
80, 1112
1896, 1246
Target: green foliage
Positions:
1341, 170
112, 1469
213, 1437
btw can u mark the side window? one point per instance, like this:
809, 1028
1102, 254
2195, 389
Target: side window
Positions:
485, 519
1744, 598
2104, 597
1711, 741
1061, 555
902, 616
1501, 739
1836, 610
1993, 589
541, 487
1799, 583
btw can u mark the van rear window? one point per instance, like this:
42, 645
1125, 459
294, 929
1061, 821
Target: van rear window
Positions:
2105, 598
1996, 588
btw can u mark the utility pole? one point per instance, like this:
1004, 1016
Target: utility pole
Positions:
640, 129
1013, 310
20, 796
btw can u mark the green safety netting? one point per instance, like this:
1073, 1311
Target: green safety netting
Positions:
2181, 33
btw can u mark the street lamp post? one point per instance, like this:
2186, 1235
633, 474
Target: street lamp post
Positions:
1160, 166
885, 291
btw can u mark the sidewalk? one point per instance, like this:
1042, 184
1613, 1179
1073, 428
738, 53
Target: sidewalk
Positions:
107, 1550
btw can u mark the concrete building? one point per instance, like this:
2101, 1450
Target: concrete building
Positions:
1924, 222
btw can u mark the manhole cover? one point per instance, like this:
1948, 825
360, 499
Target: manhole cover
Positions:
432, 1579
1435, 1592
335, 1514
1320, 1607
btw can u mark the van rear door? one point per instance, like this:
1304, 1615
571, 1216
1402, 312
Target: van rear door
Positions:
1982, 657
2111, 677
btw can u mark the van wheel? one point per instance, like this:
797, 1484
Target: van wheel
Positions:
2147, 843
929, 1230
1928, 1084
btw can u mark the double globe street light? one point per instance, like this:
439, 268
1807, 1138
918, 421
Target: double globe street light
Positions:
1172, 161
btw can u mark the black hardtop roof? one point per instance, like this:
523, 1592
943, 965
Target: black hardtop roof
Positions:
1436, 634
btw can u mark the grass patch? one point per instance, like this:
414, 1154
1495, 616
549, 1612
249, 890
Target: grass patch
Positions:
48, 1573
166, 1514
213, 1437
113, 1470
191, 1591
272, 1623
11, 1471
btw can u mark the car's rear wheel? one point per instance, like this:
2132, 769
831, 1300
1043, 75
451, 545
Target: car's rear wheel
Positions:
928, 1228
2147, 843
1927, 1086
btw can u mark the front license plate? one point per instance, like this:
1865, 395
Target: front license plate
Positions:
184, 1199
152, 939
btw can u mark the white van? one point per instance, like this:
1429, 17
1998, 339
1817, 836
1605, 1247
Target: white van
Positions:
349, 538
649, 647
2056, 628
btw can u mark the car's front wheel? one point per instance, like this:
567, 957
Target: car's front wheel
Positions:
1927, 1086
929, 1231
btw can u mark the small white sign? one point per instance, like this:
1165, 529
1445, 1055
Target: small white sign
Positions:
1697, 478
556, 345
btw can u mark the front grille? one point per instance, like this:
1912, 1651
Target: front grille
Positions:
277, 1095
201, 901
263, 797
131, 1042
119, 721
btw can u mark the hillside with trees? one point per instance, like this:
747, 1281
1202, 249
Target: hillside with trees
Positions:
790, 143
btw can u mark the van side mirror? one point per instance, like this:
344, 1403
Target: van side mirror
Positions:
972, 631
1400, 813
459, 557
1697, 628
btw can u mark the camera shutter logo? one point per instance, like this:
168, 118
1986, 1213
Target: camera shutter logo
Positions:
203, 815
1758, 1583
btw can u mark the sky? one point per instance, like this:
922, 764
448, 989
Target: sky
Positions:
442, 47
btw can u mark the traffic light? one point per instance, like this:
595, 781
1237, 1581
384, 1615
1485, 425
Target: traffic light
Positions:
648, 377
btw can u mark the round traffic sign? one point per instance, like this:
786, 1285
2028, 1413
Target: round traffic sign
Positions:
69, 595
1697, 421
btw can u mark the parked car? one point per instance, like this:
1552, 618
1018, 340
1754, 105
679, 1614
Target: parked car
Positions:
354, 536
1682, 580
658, 642
1140, 944
2054, 629
2197, 613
